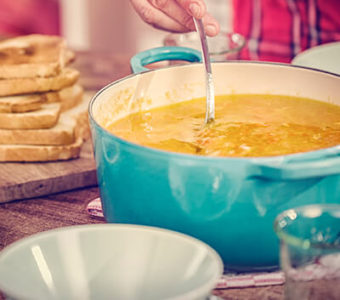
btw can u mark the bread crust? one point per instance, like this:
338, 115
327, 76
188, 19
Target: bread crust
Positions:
43, 114
71, 124
34, 55
69, 97
21, 103
46, 117
29, 153
16, 86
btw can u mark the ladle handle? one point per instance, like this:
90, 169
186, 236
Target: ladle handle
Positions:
210, 91
141, 59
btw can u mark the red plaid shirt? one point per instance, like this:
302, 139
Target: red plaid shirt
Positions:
277, 30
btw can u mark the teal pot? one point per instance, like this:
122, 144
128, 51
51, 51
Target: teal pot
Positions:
229, 203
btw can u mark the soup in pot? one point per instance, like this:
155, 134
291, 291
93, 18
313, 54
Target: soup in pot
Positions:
245, 125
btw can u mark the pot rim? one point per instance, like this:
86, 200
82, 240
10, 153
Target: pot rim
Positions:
308, 155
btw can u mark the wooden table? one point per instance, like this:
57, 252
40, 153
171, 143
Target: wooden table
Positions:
22, 218
25, 217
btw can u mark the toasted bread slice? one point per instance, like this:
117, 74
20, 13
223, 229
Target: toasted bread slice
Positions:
64, 132
67, 77
28, 153
45, 117
33, 55
68, 98
43, 153
21, 103
69, 57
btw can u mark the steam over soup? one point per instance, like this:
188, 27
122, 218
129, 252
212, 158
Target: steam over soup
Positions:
245, 125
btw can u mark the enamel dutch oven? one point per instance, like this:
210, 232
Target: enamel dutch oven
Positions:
229, 203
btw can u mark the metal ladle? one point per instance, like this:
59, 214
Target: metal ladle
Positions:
210, 94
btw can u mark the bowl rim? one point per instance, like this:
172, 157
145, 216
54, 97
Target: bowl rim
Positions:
191, 294
285, 158
315, 49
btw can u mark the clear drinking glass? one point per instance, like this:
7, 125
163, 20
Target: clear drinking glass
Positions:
224, 46
310, 251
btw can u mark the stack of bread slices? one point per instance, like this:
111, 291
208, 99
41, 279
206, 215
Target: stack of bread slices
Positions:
43, 114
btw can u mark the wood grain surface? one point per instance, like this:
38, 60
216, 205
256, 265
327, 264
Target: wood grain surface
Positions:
23, 218
27, 180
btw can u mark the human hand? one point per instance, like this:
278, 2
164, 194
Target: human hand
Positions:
175, 15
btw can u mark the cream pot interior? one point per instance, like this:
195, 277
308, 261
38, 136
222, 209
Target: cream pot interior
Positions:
176, 84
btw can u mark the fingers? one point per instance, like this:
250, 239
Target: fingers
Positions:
175, 15
185, 10
211, 26
174, 10
156, 17
195, 8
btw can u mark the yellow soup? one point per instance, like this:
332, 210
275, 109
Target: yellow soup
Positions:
245, 125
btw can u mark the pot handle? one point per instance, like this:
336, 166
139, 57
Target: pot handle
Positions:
149, 56
300, 170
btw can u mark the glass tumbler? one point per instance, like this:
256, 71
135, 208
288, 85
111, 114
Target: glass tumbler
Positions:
224, 46
310, 251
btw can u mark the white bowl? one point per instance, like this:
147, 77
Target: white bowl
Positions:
325, 57
109, 261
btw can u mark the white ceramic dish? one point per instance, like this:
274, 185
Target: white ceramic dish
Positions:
325, 57
109, 261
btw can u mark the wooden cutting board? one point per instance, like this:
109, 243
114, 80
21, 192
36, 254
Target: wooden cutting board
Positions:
28, 180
